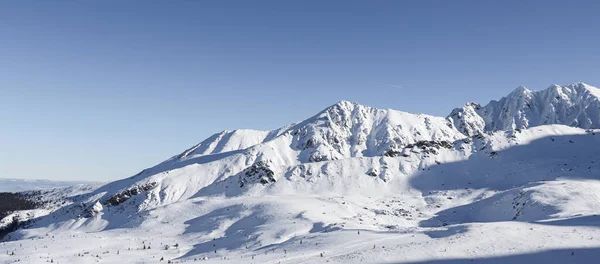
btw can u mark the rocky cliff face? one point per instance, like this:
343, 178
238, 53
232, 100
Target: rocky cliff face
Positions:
347, 129
576, 105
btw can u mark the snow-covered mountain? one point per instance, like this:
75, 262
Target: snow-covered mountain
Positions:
351, 184
575, 105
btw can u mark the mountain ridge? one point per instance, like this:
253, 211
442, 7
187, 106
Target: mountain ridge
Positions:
348, 169
470, 120
575, 104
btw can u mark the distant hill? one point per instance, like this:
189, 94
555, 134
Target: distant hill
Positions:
19, 185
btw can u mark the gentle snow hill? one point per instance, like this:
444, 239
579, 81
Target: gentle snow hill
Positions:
515, 180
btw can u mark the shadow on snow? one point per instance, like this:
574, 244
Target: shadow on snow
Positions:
568, 255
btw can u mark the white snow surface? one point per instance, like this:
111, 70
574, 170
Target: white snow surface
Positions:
515, 181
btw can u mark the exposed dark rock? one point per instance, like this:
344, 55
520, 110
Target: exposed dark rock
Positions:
423, 144
430, 146
392, 153
318, 157
93, 210
372, 172
259, 172
123, 196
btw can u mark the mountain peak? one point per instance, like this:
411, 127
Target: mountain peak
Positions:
346, 102
578, 84
574, 104
343, 108
520, 91
582, 87
344, 105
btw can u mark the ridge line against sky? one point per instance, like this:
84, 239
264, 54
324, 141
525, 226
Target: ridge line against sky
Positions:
100, 90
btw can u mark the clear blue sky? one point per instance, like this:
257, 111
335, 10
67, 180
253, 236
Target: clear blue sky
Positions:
98, 90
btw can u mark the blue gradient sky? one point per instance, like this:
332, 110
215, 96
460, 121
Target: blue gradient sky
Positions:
98, 90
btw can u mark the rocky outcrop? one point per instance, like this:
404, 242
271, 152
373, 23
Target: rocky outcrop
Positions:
93, 210
125, 195
347, 130
259, 172
576, 105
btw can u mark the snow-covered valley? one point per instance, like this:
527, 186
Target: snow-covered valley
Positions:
514, 181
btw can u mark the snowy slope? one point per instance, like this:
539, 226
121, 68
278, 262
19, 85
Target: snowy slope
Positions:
351, 184
226, 141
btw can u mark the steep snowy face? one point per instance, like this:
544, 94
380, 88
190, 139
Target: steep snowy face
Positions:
467, 120
347, 129
575, 105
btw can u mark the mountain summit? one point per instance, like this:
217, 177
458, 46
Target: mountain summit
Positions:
575, 105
